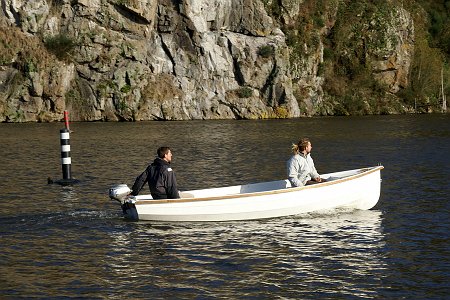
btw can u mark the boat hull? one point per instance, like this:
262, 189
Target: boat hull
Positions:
354, 189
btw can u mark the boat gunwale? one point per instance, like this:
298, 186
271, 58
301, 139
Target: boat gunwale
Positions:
364, 172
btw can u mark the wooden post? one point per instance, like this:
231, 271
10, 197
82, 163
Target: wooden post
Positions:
444, 104
444, 100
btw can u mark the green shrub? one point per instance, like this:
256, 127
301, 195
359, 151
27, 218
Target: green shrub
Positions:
122, 106
328, 54
318, 21
244, 92
266, 51
60, 45
15, 116
126, 88
30, 66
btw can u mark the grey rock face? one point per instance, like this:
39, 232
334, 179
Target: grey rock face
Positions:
150, 60
170, 60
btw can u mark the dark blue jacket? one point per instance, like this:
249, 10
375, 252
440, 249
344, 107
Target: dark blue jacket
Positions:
161, 180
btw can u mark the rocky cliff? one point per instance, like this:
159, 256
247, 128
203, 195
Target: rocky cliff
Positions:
194, 59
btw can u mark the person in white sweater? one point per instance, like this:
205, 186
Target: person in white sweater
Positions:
300, 167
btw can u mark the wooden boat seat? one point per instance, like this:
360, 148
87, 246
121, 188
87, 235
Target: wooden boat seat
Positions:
186, 195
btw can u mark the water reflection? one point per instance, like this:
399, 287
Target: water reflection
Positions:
274, 256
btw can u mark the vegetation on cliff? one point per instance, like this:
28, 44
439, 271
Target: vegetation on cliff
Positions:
29, 58
431, 64
353, 35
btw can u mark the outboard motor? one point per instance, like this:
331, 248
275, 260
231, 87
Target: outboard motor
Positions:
119, 192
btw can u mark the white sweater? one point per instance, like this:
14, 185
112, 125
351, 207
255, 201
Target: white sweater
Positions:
300, 169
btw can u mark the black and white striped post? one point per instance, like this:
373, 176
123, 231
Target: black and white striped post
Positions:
66, 160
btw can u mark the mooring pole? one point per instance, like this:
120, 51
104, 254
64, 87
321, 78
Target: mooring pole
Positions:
66, 161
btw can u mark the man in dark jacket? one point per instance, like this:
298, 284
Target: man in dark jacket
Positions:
160, 177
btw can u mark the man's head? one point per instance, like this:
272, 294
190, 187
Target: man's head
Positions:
165, 153
304, 144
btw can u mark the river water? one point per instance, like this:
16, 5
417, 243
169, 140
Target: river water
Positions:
71, 241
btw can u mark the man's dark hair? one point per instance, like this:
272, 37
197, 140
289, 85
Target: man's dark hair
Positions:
162, 151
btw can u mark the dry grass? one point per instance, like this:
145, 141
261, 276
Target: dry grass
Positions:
21, 50
161, 87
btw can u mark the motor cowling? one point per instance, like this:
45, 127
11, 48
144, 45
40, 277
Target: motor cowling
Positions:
119, 192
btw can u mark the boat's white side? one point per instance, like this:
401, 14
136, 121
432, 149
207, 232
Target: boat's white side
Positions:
358, 189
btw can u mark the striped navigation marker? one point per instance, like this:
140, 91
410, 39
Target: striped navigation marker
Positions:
66, 161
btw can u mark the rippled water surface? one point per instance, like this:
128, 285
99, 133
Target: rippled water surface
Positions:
71, 242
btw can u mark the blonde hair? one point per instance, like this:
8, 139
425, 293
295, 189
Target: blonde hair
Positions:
300, 146
295, 148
